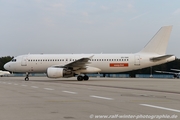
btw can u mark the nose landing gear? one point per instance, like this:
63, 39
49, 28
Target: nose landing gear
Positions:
27, 77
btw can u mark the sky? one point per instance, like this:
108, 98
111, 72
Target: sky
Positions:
85, 26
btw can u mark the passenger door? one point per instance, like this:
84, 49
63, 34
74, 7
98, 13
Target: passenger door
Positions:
24, 61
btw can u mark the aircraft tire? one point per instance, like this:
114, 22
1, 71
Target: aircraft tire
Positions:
86, 77
26, 79
80, 78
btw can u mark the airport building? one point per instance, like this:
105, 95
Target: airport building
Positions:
102, 75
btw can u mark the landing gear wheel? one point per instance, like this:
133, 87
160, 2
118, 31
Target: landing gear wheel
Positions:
26, 79
86, 77
80, 78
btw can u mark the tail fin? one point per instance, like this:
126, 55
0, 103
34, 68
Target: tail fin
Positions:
158, 44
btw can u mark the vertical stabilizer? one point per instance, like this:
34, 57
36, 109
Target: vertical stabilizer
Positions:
158, 44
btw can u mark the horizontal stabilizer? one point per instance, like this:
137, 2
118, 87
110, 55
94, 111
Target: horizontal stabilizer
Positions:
154, 59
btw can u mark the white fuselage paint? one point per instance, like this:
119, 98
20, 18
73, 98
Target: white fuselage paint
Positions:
107, 63
63, 65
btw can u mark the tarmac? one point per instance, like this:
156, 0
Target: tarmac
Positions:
42, 98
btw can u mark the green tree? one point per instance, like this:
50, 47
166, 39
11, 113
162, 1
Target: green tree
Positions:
4, 60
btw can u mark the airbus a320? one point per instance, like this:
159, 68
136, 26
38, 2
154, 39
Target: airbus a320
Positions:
69, 65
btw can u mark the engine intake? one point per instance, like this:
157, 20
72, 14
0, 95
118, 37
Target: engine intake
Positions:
53, 72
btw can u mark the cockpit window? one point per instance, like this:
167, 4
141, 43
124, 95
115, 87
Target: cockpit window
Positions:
13, 60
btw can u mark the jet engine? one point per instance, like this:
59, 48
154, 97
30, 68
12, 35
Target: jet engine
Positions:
53, 72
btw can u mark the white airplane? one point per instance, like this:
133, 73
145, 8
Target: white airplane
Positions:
69, 65
176, 74
2, 73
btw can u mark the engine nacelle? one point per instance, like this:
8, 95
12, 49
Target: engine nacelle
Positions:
53, 72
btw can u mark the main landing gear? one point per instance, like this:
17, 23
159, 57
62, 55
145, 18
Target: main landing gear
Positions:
27, 77
81, 78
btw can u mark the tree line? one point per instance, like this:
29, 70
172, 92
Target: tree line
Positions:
164, 67
4, 60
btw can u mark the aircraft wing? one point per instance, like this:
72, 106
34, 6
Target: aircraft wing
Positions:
166, 72
176, 70
80, 63
154, 59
